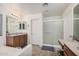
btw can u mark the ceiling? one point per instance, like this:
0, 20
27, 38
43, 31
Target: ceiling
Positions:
53, 9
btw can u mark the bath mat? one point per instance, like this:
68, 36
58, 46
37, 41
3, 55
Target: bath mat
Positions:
48, 48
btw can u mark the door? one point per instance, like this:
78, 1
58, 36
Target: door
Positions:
36, 31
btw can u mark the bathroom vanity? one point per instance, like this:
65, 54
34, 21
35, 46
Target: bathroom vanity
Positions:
70, 47
15, 37
16, 40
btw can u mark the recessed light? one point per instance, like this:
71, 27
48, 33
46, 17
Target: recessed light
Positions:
45, 4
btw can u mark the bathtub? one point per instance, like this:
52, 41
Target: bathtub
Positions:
10, 51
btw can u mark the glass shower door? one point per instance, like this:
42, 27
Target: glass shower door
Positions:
52, 31
76, 29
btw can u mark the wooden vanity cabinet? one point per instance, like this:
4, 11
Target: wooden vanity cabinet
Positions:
16, 41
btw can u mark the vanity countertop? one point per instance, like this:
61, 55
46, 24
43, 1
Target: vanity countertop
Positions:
15, 34
73, 45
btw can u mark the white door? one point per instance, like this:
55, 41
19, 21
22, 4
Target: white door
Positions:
36, 31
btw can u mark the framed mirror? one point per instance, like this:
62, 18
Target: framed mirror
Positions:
11, 25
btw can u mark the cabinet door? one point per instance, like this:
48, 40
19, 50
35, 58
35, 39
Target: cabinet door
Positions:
25, 39
22, 40
9, 41
16, 41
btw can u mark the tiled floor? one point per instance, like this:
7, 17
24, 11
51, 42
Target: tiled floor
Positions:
36, 51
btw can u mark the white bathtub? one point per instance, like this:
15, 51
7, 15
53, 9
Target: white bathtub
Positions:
10, 51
